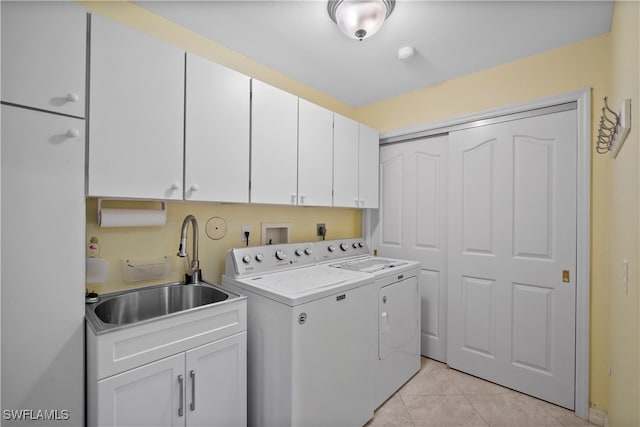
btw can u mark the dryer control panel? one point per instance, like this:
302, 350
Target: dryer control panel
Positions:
334, 250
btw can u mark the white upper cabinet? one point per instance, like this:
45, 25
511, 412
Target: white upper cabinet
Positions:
217, 124
274, 143
355, 164
43, 55
345, 162
136, 114
368, 166
315, 155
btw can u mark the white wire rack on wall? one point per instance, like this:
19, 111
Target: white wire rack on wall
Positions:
614, 128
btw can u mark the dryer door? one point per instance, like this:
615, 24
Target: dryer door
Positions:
398, 305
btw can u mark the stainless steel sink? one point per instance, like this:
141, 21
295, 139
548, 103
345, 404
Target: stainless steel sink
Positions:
140, 305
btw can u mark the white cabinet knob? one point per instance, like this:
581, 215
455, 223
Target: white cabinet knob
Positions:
72, 97
293, 199
175, 186
194, 187
73, 133
302, 198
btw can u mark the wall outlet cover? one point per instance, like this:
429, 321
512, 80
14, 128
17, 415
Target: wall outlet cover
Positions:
244, 229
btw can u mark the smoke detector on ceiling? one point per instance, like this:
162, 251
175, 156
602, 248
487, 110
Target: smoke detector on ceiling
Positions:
406, 52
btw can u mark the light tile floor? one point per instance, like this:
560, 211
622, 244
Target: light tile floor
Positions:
441, 397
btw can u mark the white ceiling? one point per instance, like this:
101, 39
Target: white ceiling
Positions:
452, 39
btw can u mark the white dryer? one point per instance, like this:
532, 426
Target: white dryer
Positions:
310, 337
397, 310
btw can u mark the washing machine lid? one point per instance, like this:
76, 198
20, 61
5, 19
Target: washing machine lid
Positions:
302, 285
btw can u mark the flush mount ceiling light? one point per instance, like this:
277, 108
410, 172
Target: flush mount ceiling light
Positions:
360, 19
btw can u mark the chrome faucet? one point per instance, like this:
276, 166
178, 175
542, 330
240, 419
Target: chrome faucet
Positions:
193, 273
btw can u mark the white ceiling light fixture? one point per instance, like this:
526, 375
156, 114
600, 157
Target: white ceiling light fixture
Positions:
360, 19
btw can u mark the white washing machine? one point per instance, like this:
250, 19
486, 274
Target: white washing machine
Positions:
397, 310
310, 337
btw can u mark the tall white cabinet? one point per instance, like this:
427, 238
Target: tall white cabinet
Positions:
43, 210
137, 110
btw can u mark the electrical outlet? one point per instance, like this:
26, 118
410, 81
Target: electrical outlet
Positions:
244, 229
321, 229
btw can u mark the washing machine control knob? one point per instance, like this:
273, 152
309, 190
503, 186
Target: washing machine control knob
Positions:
331, 248
246, 259
280, 254
361, 244
308, 251
355, 246
299, 252
344, 246
259, 257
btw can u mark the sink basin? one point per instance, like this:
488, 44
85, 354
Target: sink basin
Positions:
149, 303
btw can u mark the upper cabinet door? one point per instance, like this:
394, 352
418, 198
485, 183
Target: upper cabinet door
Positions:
136, 114
368, 167
43, 55
315, 155
345, 162
274, 143
217, 124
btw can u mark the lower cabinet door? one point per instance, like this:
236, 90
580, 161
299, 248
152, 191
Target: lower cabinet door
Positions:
217, 383
151, 395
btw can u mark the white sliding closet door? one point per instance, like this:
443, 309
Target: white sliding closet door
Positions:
411, 224
512, 254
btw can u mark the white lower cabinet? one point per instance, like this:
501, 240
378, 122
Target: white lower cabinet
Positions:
205, 386
146, 396
216, 378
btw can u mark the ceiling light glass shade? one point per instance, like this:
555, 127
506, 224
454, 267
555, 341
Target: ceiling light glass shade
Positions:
360, 19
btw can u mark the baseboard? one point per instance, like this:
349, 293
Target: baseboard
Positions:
598, 417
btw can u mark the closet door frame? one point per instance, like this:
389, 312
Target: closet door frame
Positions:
582, 98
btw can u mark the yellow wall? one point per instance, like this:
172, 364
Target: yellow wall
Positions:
124, 243
624, 328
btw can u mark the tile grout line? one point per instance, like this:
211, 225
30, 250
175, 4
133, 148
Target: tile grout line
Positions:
404, 405
476, 410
